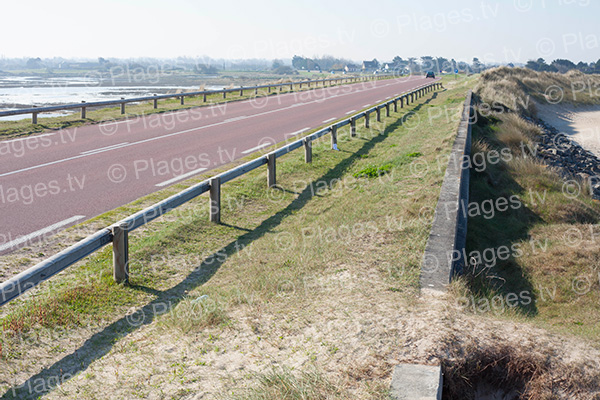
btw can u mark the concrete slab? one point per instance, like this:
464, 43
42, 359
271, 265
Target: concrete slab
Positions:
416, 382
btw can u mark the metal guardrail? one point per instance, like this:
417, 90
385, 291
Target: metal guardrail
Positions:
118, 232
34, 111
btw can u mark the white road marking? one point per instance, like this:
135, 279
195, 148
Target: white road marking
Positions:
320, 101
33, 235
329, 120
300, 131
180, 177
236, 118
101, 149
350, 112
260, 146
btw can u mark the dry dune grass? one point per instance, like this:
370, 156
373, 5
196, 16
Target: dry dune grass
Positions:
475, 367
517, 88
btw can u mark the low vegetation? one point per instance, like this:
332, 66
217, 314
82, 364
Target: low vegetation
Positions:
282, 282
550, 231
518, 88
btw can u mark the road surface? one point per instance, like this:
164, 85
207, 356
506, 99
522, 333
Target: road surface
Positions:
51, 181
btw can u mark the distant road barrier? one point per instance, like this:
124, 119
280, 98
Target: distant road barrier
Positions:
34, 111
118, 232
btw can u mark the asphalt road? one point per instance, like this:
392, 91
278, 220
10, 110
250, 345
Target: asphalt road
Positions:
51, 181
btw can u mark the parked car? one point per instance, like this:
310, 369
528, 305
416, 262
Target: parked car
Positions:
430, 74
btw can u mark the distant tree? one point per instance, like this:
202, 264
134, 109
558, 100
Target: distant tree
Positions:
427, 63
477, 65
540, 65
299, 62
413, 66
454, 65
532, 64
311, 65
398, 60
563, 65
442, 64
35, 63
583, 67
276, 64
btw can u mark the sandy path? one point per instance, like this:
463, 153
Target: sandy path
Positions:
581, 123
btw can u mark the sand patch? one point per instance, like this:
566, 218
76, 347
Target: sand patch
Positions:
580, 123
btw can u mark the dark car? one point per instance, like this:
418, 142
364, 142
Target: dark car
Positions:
430, 74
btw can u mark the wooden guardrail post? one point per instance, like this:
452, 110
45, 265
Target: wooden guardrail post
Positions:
182, 101
353, 127
34, 117
241, 91
378, 112
395, 105
271, 170
291, 87
82, 110
307, 150
155, 101
120, 253
334, 137
224, 94
123, 106
215, 200
402, 102
204, 97
387, 109
366, 119
268, 89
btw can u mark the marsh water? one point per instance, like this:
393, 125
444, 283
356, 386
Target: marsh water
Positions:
27, 91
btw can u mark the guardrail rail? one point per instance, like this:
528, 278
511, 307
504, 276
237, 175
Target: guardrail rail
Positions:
117, 234
34, 111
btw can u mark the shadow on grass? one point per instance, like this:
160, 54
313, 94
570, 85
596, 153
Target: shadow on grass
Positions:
490, 232
100, 344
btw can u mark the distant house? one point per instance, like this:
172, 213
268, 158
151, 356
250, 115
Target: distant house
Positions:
351, 68
370, 65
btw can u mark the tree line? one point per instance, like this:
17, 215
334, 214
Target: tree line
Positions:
562, 66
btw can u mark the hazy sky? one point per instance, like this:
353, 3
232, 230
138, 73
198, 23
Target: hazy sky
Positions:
494, 31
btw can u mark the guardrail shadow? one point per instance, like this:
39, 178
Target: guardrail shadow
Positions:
100, 344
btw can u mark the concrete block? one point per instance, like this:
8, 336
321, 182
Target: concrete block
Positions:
416, 382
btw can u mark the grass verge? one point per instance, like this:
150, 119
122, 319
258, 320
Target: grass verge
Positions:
309, 254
